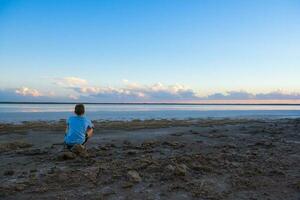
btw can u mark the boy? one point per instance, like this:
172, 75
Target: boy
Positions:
79, 128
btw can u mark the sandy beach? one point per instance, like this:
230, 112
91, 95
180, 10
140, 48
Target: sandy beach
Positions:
154, 159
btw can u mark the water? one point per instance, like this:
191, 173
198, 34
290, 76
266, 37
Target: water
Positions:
33, 112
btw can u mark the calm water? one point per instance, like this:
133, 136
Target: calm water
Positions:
33, 112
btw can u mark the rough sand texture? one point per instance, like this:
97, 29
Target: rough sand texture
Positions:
154, 159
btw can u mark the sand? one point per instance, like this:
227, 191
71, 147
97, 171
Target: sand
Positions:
154, 159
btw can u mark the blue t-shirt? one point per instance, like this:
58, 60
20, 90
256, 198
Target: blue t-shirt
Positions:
77, 127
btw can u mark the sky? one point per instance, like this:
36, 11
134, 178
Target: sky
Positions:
150, 50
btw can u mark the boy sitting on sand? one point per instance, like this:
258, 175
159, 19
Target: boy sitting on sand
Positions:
79, 129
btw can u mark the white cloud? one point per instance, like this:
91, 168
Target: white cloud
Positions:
158, 92
135, 92
74, 97
71, 82
243, 95
89, 90
132, 91
25, 91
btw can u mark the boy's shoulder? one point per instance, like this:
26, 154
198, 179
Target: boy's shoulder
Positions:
73, 119
87, 119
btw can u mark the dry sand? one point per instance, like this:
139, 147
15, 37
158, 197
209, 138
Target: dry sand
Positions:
154, 159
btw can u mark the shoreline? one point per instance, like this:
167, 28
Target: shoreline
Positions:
187, 119
134, 124
226, 159
149, 103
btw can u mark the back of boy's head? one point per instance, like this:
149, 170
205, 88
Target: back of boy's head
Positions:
79, 109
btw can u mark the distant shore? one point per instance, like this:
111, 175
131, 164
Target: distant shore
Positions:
130, 103
228, 159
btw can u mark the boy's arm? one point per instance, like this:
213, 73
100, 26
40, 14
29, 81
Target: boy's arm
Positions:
90, 129
90, 132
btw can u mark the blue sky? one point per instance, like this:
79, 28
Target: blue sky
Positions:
132, 50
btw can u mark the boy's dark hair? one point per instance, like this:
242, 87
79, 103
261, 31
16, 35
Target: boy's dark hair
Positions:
79, 109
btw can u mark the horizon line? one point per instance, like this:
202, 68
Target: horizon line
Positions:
145, 103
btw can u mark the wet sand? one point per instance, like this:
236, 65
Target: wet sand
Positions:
154, 159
